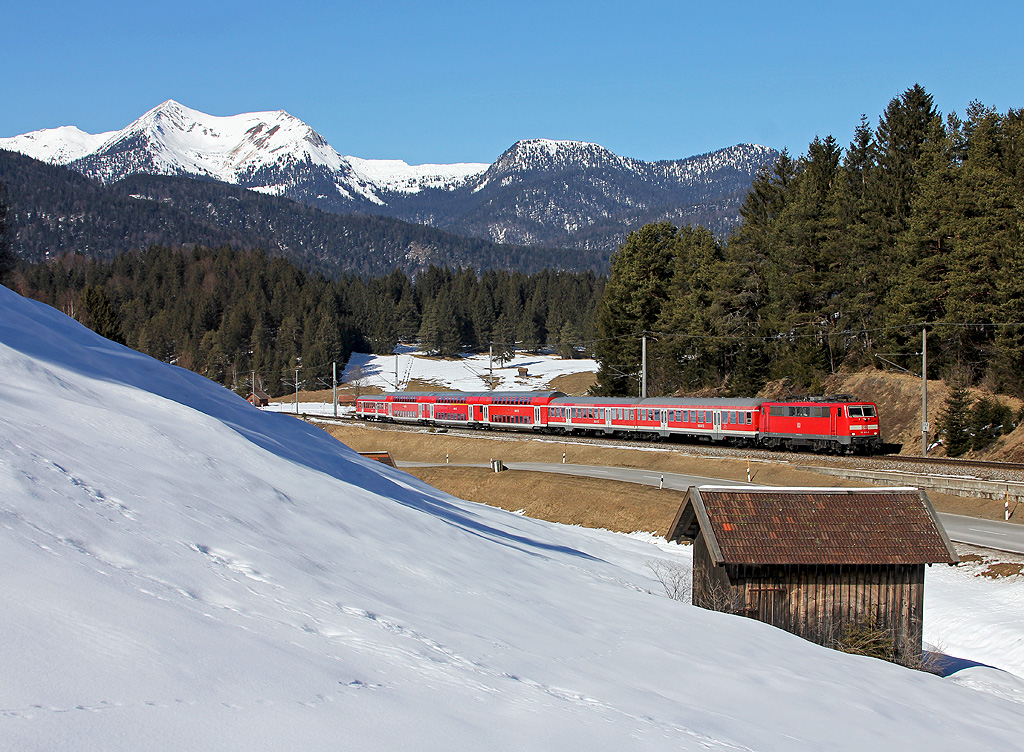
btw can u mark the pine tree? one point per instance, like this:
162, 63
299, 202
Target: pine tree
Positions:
631, 304
918, 293
986, 235
901, 134
688, 353
955, 418
99, 314
7, 258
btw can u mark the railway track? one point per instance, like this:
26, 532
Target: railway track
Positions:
982, 469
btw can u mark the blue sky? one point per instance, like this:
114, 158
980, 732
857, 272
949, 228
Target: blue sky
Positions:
462, 81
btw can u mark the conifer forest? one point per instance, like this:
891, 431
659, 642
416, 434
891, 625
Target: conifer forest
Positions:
844, 255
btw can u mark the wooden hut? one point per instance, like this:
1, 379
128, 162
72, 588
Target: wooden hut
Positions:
384, 458
824, 564
259, 398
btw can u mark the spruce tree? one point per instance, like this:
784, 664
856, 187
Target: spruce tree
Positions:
955, 418
687, 352
7, 258
100, 315
901, 134
631, 304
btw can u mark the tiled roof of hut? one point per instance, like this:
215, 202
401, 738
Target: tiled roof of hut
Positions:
760, 525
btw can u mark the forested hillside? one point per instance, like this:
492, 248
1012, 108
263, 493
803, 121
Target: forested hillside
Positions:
226, 313
55, 210
843, 254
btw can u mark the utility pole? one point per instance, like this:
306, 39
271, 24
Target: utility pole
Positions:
924, 391
396, 372
643, 370
335, 369
490, 365
255, 399
297, 388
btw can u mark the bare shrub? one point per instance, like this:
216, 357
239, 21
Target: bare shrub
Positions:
716, 595
870, 639
866, 638
676, 578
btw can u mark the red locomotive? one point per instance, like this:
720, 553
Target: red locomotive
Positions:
838, 424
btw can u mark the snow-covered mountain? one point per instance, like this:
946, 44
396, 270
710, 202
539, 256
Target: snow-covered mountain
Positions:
272, 152
183, 571
59, 146
539, 191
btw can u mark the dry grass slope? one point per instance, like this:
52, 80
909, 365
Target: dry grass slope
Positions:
623, 507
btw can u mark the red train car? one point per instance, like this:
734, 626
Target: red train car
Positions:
840, 424
824, 424
518, 410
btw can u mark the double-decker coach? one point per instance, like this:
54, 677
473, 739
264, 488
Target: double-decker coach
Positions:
836, 423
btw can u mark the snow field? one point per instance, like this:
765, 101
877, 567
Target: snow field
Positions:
183, 571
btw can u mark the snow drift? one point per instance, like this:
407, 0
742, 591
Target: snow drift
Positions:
184, 571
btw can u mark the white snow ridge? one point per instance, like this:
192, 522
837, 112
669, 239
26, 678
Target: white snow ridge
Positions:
182, 571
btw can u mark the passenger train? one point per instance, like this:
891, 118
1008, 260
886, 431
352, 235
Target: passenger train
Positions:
839, 424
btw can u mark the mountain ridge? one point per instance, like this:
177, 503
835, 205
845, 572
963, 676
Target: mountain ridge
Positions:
55, 210
537, 192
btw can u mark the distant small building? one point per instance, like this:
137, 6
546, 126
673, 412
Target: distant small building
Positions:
346, 400
259, 398
523, 372
382, 457
816, 562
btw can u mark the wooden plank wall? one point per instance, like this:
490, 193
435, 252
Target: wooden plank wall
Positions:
816, 601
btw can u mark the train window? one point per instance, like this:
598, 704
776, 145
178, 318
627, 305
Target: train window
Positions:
869, 411
732, 417
700, 416
855, 411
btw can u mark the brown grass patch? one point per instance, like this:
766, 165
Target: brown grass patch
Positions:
573, 384
898, 396
589, 502
994, 570
998, 570
512, 447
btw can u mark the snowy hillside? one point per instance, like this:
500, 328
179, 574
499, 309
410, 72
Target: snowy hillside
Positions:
182, 571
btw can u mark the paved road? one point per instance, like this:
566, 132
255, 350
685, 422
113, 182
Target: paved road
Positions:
1001, 536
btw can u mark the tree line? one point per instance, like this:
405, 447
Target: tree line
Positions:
227, 313
55, 211
843, 255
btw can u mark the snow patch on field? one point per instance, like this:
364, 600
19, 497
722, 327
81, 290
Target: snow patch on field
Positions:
467, 373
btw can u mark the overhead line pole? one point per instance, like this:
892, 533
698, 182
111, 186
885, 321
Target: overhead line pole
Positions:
643, 370
924, 391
